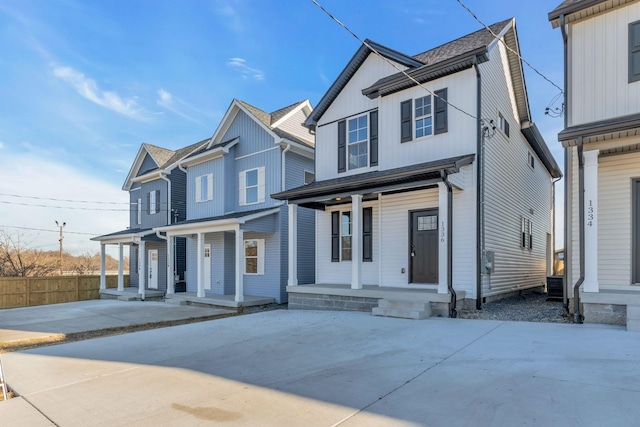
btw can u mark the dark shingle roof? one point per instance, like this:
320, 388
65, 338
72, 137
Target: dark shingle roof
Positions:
204, 148
227, 216
278, 114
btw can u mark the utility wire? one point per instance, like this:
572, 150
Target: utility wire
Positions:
52, 231
506, 46
391, 62
66, 207
64, 200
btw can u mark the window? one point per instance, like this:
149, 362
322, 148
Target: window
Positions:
634, 51
252, 186
139, 218
204, 188
309, 177
153, 202
427, 113
424, 124
530, 234
526, 233
531, 160
341, 235
503, 124
357, 140
254, 256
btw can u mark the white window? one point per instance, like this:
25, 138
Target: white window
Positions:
423, 117
309, 177
154, 201
357, 142
139, 219
252, 186
503, 124
345, 236
254, 256
531, 160
204, 188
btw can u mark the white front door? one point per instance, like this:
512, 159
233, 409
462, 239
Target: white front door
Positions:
153, 269
207, 266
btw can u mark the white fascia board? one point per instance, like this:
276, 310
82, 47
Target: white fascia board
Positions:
122, 238
291, 113
500, 35
213, 226
255, 119
151, 176
206, 156
135, 167
298, 148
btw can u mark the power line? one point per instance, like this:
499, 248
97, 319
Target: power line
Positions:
506, 46
66, 207
65, 200
52, 231
391, 62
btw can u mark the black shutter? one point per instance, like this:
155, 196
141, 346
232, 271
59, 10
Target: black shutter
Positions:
406, 129
634, 51
157, 201
373, 139
506, 127
335, 236
440, 111
149, 203
367, 234
342, 146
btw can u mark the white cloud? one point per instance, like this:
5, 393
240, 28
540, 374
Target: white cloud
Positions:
168, 101
240, 65
41, 176
88, 88
1, 145
231, 18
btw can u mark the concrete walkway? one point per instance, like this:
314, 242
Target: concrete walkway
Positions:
20, 324
305, 368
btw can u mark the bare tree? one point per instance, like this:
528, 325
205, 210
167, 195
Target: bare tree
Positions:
16, 260
86, 264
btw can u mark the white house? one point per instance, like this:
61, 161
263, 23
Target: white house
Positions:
432, 182
602, 158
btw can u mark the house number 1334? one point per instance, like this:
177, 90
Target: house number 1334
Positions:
442, 232
590, 213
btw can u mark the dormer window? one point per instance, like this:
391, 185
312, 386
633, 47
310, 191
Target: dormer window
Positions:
357, 139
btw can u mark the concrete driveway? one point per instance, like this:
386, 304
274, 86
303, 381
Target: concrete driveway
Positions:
305, 368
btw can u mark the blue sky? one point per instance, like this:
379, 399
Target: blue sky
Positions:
84, 83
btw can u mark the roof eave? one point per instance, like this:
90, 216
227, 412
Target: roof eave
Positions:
539, 146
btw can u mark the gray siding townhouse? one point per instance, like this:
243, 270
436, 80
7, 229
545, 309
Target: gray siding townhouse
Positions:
157, 193
236, 234
432, 184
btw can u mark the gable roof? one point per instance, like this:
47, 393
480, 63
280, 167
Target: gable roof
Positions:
574, 10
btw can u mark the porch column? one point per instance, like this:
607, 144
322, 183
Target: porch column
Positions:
356, 241
120, 267
239, 265
293, 245
142, 271
200, 265
170, 274
443, 243
591, 221
103, 278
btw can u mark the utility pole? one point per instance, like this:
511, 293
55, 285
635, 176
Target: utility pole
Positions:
60, 240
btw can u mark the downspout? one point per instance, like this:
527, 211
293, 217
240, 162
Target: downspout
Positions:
567, 245
553, 227
283, 166
164, 177
577, 316
452, 312
480, 159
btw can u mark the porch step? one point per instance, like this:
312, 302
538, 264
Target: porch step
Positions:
403, 309
633, 318
175, 301
127, 297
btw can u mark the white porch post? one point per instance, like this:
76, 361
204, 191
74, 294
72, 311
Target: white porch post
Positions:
591, 221
239, 264
142, 272
103, 278
356, 241
293, 245
120, 267
443, 244
200, 265
170, 275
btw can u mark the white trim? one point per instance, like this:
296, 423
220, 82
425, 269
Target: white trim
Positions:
152, 202
242, 186
259, 257
214, 225
134, 189
291, 113
257, 152
198, 185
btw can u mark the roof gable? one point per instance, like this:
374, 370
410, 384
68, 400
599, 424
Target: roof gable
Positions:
574, 10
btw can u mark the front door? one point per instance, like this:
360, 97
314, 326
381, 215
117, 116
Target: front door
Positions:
636, 231
153, 269
423, 246
207, 266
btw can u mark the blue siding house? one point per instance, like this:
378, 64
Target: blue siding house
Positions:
157, 195
236, 234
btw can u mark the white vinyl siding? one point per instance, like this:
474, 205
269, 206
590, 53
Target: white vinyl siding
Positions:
204, 188
254, 256
251, 186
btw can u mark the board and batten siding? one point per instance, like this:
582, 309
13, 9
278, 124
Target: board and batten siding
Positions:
159, 218
271, 161
340, 272
178, 194
598, 60
209, 208
134, 195
293, 125
513, 189
147, 164
253, 137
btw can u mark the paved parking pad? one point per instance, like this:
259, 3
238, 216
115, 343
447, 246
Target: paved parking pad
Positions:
337, 368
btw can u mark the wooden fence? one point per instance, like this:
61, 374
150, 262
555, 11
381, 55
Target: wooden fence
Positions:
31, 291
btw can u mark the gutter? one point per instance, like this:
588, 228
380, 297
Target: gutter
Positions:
478, 187
452, 310
283, 166
567, 245
577, 316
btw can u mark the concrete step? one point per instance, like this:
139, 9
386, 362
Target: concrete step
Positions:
128, 298
405, 305
633, 318
176, 301
400, 312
